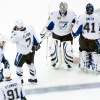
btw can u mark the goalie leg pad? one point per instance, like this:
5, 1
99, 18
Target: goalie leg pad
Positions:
55, 53
67, 55
84, 59
66, 48
95, 61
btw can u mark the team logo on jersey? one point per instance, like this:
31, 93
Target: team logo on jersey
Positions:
63, 25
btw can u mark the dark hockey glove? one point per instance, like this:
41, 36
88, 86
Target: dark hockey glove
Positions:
14, 29
6, 64
36, 47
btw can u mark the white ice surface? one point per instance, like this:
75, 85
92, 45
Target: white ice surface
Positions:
49, 77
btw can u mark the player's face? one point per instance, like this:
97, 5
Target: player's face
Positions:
63, 10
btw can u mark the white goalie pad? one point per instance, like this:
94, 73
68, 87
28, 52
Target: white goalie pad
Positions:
84, 59
67, 52
55, 53
95, 61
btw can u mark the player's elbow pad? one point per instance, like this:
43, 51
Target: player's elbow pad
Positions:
50, 26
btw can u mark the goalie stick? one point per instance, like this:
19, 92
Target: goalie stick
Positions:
47, 40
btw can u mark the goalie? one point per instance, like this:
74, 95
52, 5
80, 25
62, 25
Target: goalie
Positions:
60, 25
3, 60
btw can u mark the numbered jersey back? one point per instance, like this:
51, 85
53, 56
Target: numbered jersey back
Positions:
23, 39
90, 25
11, 89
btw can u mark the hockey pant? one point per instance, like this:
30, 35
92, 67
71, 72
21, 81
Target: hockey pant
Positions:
84, 60
67, 54
55, 53
95, 61
32, 71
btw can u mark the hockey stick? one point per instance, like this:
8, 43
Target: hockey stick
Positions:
47, 40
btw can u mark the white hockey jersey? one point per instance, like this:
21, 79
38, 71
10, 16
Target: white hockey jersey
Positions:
11, 90
23, 39
62, 25
88, 25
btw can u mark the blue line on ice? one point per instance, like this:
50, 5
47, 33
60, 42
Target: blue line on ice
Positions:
62, 88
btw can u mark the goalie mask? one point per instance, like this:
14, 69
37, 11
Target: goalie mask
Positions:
63, 8
19, 23
89, 8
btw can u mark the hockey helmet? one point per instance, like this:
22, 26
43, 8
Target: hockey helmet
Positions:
63, 8
19, 23
6, 73
3, 38
89, 8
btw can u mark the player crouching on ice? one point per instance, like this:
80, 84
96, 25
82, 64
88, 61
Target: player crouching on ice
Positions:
3, 60
60, 25
26, 43
88, 26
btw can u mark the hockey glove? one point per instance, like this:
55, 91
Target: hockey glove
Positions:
6, 64
36, 47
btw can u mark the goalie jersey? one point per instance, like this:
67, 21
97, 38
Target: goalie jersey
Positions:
24, 39
11, 90
62, 25
88, 25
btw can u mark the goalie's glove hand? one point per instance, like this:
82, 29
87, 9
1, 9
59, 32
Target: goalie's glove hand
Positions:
36, 47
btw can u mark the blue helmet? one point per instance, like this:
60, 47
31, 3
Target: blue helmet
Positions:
89, 8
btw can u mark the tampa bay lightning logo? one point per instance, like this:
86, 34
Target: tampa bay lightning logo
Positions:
62, 25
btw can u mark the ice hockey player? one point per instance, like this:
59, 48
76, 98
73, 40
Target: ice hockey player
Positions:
60, 25
87, 26
27, 43
3, 60
11, 89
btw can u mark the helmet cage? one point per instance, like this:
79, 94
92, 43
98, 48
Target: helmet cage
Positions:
89, 8
63, 8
